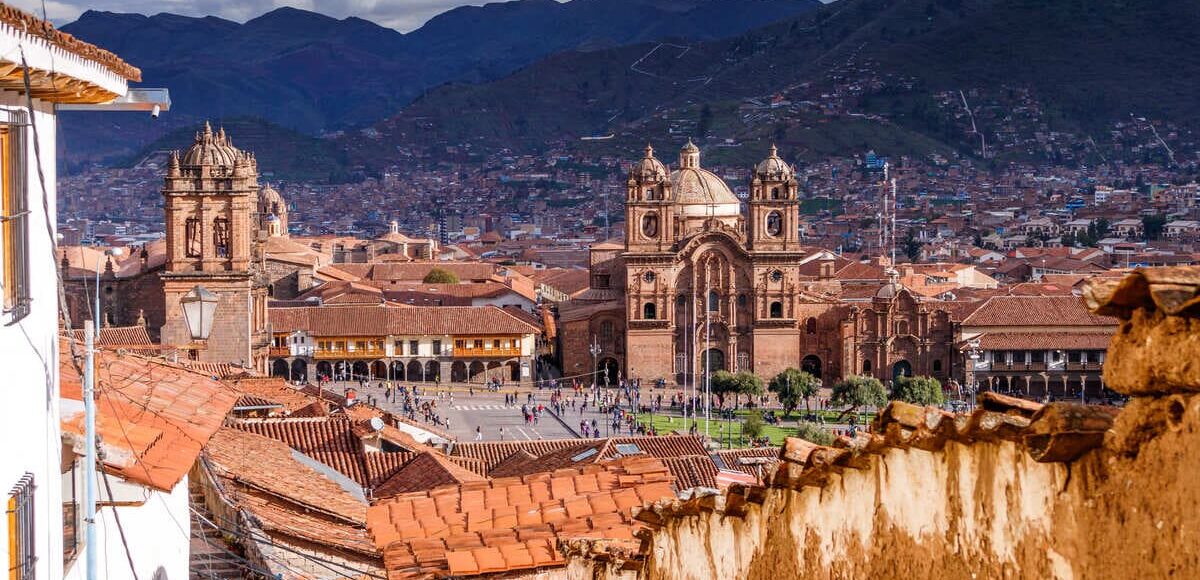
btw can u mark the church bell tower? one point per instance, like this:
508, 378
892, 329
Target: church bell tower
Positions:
648, 214
210, 193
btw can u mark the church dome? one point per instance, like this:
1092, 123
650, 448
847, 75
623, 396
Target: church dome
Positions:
699, 191
269, 197
212, 149
774, 168
649, 168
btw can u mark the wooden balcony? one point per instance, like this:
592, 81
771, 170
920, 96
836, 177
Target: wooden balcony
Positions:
487, 352
280, 352
1084, 366
349, 354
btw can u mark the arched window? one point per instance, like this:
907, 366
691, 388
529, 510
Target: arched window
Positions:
937, 365
681, 300
774, 193
867, 366
810, 325
649, 311
902, 327
221, 237
714, 301
776, 310
741, 299
191, 236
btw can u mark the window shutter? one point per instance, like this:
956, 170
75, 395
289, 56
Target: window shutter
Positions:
16, 220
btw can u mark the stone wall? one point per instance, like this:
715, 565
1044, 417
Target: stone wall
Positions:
1013, 490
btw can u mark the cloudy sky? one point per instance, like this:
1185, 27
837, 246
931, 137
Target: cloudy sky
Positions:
403, 15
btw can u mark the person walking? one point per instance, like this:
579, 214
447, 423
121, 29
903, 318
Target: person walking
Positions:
478, 433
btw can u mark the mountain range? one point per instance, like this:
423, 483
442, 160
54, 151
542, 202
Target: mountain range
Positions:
1090, 62
312, 73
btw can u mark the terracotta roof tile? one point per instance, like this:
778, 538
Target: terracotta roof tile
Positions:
156, 416
511, 529
384, 320
1036, 311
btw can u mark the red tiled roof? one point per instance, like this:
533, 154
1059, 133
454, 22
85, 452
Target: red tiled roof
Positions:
511, 524
273, 390
326, 439
114, 337
398, 320
35, 26
1036, 311
270, 466
426, 471
155, 416
1045, 340
692, 471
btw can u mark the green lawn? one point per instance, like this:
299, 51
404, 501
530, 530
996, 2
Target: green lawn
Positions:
717, 429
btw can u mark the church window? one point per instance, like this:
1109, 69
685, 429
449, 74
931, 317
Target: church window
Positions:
221, 237
741, 300
902, 327
648, 277
937, 365
650, 194
649, 311
681, 300
606, 330
714, 301
774, 224
776, 276
650, 225
191, 236
774, 193
810, 325
867, 366
776, 309
601, 281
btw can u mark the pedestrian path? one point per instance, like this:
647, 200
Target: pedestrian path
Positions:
479, 407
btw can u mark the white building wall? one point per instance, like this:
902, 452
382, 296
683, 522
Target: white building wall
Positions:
30, 440
507, 299
156, 531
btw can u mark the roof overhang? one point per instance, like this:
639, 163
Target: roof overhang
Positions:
55, 73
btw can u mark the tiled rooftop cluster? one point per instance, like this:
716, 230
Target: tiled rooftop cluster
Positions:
512, 523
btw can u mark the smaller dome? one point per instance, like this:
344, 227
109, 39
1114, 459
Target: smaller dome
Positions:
689, 156
888, 291
649, 168
272, 218
774, 168
269, 195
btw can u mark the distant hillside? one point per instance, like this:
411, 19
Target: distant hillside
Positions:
313, 73
1092, 61
282, 154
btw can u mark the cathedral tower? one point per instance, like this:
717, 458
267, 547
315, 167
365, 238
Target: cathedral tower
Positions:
774, 206
648, 215
210, 192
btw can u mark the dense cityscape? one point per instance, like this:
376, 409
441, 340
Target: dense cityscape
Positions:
843, 321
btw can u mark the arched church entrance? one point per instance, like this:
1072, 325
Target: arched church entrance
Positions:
811, 364
714, 360
901, 369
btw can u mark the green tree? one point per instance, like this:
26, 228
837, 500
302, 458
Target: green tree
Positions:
918, 390
753, 426
440, 276
723, 383
790, 386
858, 391
744, 383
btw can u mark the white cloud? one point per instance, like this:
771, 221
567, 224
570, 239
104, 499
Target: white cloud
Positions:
403, 15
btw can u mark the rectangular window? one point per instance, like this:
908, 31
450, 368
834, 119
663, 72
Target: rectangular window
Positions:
1074, 356
414, 347
221, 237
437, 348
19, 513
478, 343
460, 344
496, 343
14, 219
1037, 356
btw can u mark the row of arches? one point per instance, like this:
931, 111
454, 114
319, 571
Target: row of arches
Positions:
412, 371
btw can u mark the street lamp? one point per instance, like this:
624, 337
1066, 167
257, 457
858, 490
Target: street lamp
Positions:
595, 350
198, 308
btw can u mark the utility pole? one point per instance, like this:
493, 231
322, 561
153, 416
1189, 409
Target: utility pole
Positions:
89, 472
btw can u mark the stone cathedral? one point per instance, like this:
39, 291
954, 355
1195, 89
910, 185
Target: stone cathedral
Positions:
703, 282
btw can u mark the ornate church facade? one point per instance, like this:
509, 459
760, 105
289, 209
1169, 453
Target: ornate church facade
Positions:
701, 283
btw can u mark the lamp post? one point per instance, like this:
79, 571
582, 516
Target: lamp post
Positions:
199, 305
594, 348
973, 354
91, 333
